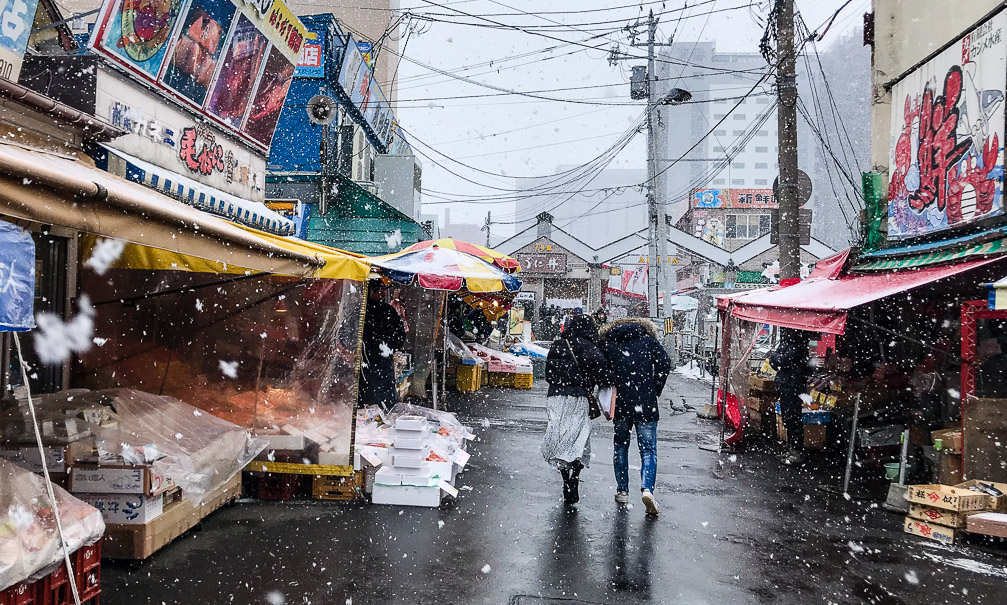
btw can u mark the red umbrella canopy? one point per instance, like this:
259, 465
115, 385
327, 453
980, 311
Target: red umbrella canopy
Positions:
507, 263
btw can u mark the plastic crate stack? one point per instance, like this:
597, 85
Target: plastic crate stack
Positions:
54, 589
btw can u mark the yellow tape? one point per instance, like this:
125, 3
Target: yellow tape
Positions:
292, 468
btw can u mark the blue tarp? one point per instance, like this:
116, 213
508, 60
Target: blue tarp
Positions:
17, 278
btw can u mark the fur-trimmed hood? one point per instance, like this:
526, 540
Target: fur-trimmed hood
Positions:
626, 329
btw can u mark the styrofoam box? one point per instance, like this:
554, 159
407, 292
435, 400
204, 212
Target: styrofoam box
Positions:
411, 423
408, 458
387, 475
406, 495
126, 509
411, 440
422, 477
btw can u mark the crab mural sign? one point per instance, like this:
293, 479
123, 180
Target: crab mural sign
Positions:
946, 156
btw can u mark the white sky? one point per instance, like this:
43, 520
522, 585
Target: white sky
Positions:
515, 135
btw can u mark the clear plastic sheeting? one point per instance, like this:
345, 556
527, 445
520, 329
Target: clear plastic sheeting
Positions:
197, 451
448, 438
29, 540
273, 354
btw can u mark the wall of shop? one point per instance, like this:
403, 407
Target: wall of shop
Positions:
905, 33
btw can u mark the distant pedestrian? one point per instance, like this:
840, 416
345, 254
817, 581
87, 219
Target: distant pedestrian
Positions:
384, 333
639, 367
574, 367
600, 317
791, 360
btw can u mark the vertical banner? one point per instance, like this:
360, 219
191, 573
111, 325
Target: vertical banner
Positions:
946, 158
16, 18
17, 278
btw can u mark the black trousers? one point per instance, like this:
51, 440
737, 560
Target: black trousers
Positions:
790, 409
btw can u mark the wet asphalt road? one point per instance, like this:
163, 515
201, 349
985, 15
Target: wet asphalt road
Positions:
733, 529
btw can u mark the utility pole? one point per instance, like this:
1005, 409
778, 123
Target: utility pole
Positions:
787, 194
486, 228
655, 217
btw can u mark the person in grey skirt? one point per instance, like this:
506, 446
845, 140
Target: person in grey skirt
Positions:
575, 366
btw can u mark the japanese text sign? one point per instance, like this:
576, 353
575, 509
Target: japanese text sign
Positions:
16, 18
946, 158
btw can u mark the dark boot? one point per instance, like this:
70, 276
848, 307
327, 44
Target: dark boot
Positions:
575, 481
567, 490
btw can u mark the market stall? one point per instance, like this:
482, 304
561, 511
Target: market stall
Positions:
908, 374
463, 274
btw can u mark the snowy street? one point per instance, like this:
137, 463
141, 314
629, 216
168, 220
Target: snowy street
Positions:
732, 529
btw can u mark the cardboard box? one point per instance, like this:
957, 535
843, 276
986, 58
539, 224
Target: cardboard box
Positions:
126, 509
947, 497
938, 516
762, 383
814, 434
57, 456
984, 437
93, 479
948, 468
944, 535
128, 541
988, 524
996, 503
950, 439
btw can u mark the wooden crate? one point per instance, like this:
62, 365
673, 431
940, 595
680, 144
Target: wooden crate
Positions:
332, 487
141, 541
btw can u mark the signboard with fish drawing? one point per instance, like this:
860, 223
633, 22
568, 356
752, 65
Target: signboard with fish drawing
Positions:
946, 158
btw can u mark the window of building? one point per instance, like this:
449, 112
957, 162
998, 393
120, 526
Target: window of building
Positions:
738, 182
718, 148
719, 116
719, 181
761, 149
739, 116
747, 226
762, 100
738, 133
719, 133
762, 133
738, 165
761, 182
762, 165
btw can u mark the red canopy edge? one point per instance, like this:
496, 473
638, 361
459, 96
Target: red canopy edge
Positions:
820, 304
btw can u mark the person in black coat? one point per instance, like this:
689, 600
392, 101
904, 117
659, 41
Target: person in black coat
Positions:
640, 367
574, 368
791, 360
384, 333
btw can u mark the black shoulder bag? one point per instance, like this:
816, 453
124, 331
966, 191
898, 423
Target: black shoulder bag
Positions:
593, 405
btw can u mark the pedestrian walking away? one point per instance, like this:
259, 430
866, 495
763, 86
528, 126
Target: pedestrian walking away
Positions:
791, 360
640, 367
575, 366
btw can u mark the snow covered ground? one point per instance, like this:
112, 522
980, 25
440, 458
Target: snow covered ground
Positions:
694, 371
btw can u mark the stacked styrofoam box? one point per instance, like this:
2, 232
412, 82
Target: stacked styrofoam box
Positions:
407, 478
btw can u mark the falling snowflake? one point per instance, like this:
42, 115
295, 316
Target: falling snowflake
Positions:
199, 305
229, 368
386, 351
105, 252
486, 568
55, 340
394, 239
276, 598
912, 578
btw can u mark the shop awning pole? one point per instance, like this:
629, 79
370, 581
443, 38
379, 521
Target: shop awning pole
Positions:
853, 444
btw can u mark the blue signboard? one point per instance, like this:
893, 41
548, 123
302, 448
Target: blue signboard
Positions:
16, 18
17, 278
708, 198
311, 63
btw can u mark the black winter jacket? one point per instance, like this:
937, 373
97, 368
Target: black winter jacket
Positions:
639, 366
791, 362
384, 333
568, 377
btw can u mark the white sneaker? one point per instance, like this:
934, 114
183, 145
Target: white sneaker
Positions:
649, 502
622, 497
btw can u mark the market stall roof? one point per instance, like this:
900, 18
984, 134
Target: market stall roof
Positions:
820, 304
63, 190
437, 268
502, 261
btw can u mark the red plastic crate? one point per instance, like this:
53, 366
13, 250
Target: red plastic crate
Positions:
87, 568
54, 589
24, 593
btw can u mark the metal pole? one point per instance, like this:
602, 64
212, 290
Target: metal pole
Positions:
786, 85
488, 223
653, 215
853, 444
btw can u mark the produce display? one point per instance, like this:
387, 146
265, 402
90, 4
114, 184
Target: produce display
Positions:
29, 540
